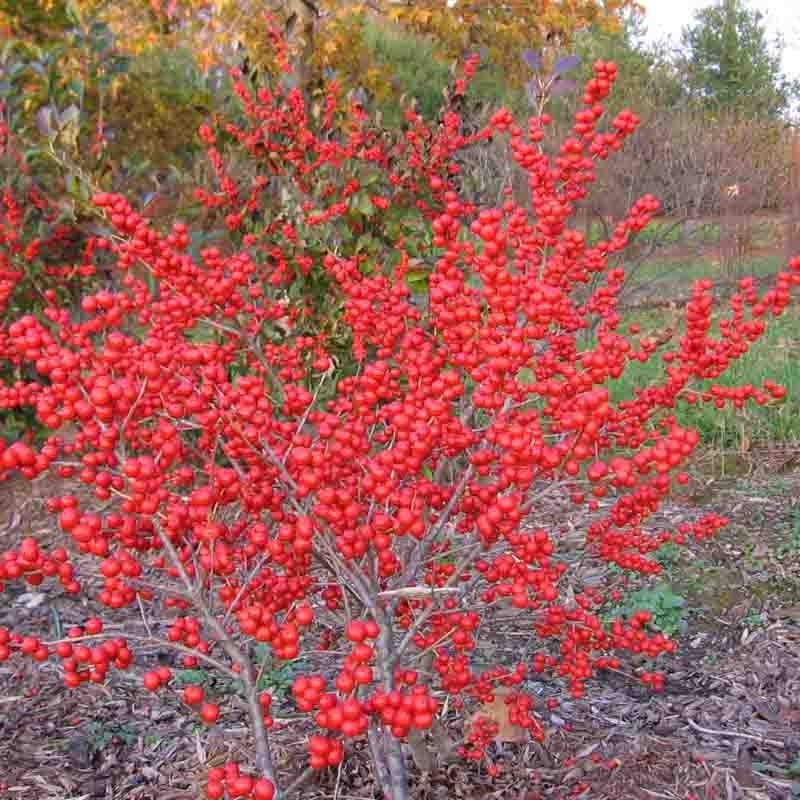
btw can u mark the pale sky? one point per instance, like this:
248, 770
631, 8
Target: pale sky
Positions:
667, 18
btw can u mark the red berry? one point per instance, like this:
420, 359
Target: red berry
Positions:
152, 681
263, 789
193, 695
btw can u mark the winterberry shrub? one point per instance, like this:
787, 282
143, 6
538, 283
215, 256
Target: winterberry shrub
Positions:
390, 519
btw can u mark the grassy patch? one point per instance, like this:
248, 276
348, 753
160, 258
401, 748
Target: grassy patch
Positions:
678, 275
775, 357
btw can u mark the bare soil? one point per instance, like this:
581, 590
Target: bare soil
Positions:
727, 726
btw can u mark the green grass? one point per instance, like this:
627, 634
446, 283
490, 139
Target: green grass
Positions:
662, 230
678, 276
775, 357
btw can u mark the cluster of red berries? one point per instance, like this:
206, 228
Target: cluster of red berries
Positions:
325, 752
401, 711
186, 631
33, 565
82, 663
28, 645
482, 732
520, 712
153, 680
230, 781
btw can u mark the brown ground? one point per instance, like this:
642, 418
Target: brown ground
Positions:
728, 725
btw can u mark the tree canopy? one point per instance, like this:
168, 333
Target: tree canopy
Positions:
730, 63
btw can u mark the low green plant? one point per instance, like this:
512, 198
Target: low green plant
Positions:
668, 555
668, 608
755, 620
791, 547
102, 733
274, 676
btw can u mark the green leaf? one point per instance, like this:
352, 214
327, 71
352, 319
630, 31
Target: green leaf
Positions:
417, 280
364, 205
365, 242
77, 86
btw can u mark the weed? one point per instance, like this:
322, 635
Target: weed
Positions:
667, 607
668, 555
276, 676
755, 620
193, 677
792, 546
101, 734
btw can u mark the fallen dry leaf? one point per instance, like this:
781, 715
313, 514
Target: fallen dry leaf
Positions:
497, 711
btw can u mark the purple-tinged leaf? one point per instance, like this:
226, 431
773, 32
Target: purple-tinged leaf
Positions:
532, 59
69, 116
44, 121
562, 87
566, 64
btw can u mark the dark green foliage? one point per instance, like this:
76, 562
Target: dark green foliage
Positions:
419, 73
730, 64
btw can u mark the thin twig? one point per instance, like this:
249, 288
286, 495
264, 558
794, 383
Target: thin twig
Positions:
243, 588
144, 616
263, 754
131, 410
304, 418
417, 591
410, 573
423, 617
737, 734
338, 781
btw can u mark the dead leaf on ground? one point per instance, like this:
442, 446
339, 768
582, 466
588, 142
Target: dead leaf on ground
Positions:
497, 711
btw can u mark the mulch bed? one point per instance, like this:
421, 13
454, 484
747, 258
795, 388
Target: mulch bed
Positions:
728, 725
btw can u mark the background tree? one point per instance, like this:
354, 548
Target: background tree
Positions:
729, 62
652, 77
322, 34
338, 32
